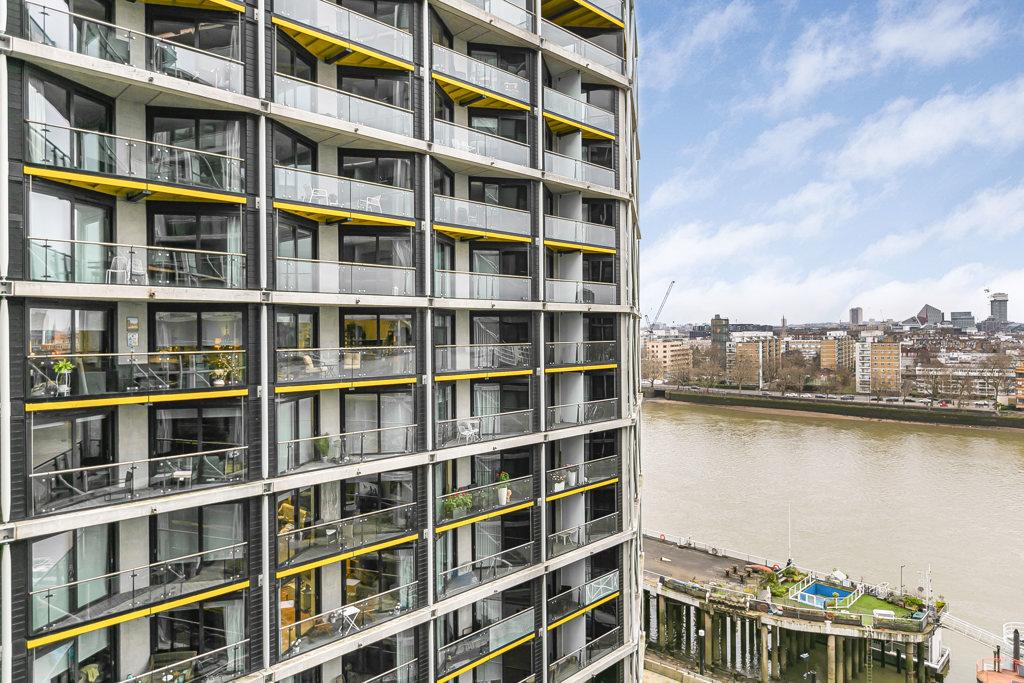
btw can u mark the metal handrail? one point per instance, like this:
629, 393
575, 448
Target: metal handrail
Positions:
614, 634
604, 577
582, 282
486, 628
135, 140
487, 67
566, 532
585, 341
471, 563
353, 518
566, 468
179, 665
131, 354
345, 263
493, 484
340, 177
480, 346
344, 93
343, 434
481, 417
470, 272
133, 463
338, 609
584, 403
392, 672
481, 132
136, 246
349, 348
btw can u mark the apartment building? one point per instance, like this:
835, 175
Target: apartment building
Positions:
319, 328
666, 357
756, 359
838, 353
885, 371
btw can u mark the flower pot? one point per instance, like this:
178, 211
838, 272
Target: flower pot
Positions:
504, 495
558, 486
218, 382
570, 478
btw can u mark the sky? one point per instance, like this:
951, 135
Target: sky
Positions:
799, 158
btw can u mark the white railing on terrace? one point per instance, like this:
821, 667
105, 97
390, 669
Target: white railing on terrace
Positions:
577, 598
483, 428
216, 666
335, 192
342, 277
492, 638
570, 476
454, 284
348, 24
578, 110
569, 41
580, 291
480, 74
327, 450
509, 11
319, 99
470, 214
579, 170
469, 357
465, 576
345, 364
576, 661
479, 142
570, 230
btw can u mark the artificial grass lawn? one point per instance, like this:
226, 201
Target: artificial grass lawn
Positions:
866, 604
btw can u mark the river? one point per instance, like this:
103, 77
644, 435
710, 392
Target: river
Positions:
866, 497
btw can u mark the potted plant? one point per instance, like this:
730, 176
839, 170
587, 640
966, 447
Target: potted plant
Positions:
504, 492
571, 477
322, 446
557, 481
457, 504
63, 367
225, 367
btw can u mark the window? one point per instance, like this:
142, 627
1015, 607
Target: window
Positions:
600, 211
443, 180
292, 60
507, 328
511, 126
295, 241
602, 96
78, 334
207, 134
394, 329
209, 31
490, 398
55, 224
377, 492
53, 107
600, 385
397, 13
299, 600
439, 33
387, 86
489, 260
72, 558
202, 628
220, 136
184, 330
182, 430
295, 329
599, 328
600, 152
444, 107
202, 230
444, 253
512, 195
293, 151
84, 441
598, 268
383, 655
385, 250
296, 423
380, 169
210, 530
88, 657
380, 410
506, 59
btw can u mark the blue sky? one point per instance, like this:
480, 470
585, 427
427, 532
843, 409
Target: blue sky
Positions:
799, 158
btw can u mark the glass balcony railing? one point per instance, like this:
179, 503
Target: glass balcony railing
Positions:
405, 673
471, 574
54, 260
54, 607
298, 546
84, 487
466, 213
345, 194
475, 646
578, 110
569, 230
575, 599
86, 150
98, 374
340, 277
579, 353
478, 142
348, 25
579, 170
332, 625
591, 52
561, 542
345, 364
574, 662
483, 428
509, 11
481, 74
571, 414
612, 7
478, 500
474, 357
328, 450
318, 99
48, 25
216, 666
580, 291
589, 472
454, 284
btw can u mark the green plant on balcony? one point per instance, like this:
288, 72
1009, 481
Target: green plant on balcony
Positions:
322, 446
457, 504
226, 366
63, 366
504, 492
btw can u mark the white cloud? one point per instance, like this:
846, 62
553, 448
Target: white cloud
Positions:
785, 144
683, 186
936, 34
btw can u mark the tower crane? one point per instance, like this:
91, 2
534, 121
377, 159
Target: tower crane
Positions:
651, 323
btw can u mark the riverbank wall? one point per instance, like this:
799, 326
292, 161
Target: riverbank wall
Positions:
943, 416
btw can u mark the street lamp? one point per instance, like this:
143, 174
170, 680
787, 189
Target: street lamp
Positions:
700, 648
901, 578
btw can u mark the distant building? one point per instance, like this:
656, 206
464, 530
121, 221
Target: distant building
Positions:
999, 307
856, 315
757, 358
838, 353
720, 337
886, 374
862, 366
667, 358
930, 315
962, 320
1020, 386
809, 348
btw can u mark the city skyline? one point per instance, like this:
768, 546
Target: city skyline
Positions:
810, 167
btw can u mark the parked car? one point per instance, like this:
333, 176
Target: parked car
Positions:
892, 399
846, 397
876, 399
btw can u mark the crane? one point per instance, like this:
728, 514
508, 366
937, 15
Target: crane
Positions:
651, 323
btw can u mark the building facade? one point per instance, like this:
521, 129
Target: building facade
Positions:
838, 353
668, 358
756, 358
319, 330
885, 371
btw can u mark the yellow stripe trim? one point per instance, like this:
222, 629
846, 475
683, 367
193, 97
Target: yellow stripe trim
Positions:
480, 518
579, 613
72, 177
577, 124
479, 375
578, 247
473, 232
197, 194
324, 386
229, 5
581, 368
484, 660
582, 489
481, 91
597, 10
137, 614
355, 47
312, 209
284, 573
132, 400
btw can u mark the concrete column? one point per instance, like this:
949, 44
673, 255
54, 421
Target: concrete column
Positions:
784, 647
922, 670
830, 660
709, 636
662, 630
911, 650
852, 646
840, 650
764, 654
776, 640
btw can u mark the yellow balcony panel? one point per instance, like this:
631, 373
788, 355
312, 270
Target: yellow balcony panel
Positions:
477, 234
468, 95
325, 386
581, 612
341, 557
219, 5
483, 660
335, 50
124, 188
324, 214
482, 374
581, 368
579, 13
135, 399
480, 518
561, 125
581, 489
558, 245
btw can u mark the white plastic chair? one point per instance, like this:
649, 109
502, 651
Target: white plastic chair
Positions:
469, 430
371, 203
318, 195
119, 271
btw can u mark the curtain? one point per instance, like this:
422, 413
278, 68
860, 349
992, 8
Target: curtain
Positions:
397, 411
92, 553
177, 534
234, 629
487, 401
222, 527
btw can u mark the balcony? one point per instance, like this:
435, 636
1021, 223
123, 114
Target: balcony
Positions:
565, 113
327, 198
579, 353
575, 601
572, 414
563, 481
462, 218
332, 625
405, 673
319, 99
606, 14
574, 662
590, 52
478, 142
470, 82
327, 539
216, 666
579, 232
131, 168
465, 505
483, 428
104, 374
54, 260
561, 542
85, 487
129, 589
478, 572
48, 25
330, 450
455, 284
507, 11
347, 364
469, 651
580, 291
341, 36
342, 277
476, 358
579, 170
